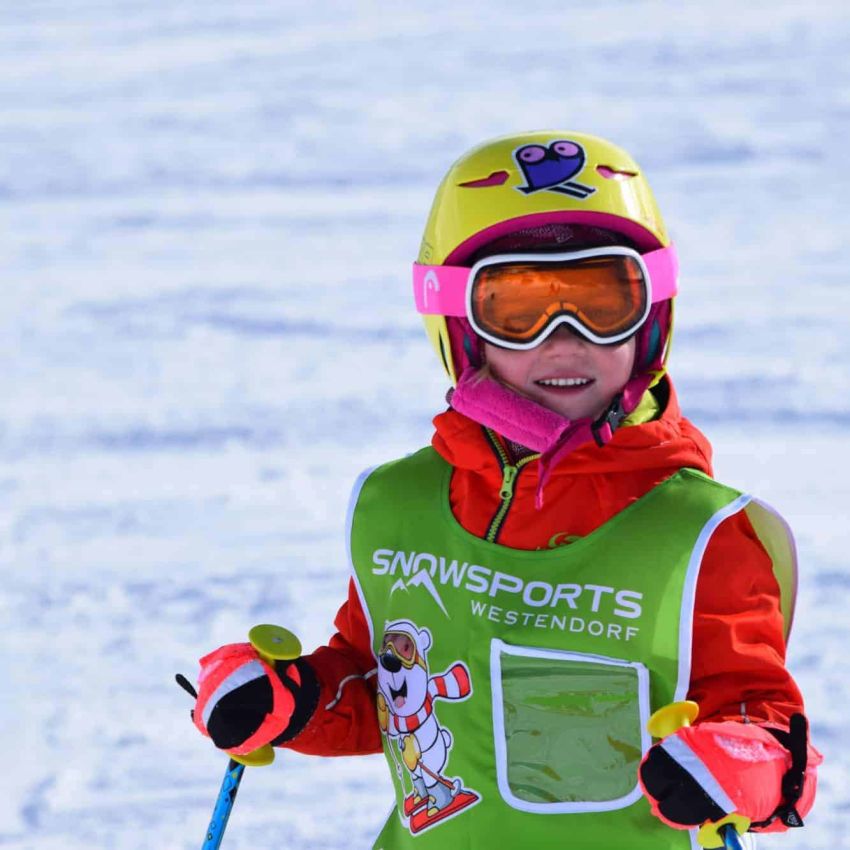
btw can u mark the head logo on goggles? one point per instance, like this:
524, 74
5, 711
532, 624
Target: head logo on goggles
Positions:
518, 300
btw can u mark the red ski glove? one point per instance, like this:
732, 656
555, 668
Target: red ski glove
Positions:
705, 772
245, 702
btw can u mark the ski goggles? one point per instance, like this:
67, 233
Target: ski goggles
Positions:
400, 645
517, 300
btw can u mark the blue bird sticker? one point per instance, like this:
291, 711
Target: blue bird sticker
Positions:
551, 168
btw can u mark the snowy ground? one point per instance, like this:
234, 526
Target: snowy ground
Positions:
207, 213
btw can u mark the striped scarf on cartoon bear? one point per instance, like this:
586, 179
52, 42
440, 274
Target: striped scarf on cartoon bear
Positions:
453, 684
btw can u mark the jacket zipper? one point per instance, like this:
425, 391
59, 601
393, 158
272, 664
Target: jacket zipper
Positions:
506, 491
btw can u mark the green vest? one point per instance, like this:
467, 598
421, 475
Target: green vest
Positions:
514, 686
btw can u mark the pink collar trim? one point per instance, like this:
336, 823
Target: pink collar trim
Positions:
523, 421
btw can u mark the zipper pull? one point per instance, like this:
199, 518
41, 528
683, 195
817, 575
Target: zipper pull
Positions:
509, 474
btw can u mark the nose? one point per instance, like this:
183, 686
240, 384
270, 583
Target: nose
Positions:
565, 336
390, 663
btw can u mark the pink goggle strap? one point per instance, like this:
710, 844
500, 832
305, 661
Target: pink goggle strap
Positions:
441, 290
663, 268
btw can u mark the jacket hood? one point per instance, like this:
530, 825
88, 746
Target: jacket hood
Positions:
668, 442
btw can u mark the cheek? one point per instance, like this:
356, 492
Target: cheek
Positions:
619, 362
508, 365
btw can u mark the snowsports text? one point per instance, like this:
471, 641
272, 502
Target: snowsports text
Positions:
584, 599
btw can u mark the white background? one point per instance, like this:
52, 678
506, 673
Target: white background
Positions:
207, 215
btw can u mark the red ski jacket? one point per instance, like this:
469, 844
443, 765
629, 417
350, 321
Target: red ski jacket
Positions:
738, 664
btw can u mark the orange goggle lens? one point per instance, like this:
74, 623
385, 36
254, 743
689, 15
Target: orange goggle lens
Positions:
514, 302
401, 646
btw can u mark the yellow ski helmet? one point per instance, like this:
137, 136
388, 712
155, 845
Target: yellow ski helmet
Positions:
529, 180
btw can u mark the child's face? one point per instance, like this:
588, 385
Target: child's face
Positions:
603, 370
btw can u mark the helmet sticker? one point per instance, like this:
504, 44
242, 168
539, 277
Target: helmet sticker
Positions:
615, 174
551, 168
497, 178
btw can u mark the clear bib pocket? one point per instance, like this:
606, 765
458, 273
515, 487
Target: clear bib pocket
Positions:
569, 728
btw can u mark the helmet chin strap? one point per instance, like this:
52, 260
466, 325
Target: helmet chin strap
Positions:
523, 421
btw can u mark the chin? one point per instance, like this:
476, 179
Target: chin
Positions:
573, 414
568, 408
570, 411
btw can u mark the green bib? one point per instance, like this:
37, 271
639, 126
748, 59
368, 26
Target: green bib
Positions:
514, 686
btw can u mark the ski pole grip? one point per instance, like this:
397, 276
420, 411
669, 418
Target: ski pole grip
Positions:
722, 833
725, 832
273, 643
672, 717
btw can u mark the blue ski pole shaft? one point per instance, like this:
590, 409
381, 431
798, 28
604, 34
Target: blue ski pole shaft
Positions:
731, 839
223, 805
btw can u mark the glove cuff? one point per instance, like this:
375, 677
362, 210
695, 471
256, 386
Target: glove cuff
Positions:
299, 677
796, 741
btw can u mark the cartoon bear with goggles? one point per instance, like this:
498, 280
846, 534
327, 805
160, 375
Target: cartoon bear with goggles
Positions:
406, 695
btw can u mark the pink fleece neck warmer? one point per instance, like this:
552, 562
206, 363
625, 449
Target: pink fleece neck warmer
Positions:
523, 421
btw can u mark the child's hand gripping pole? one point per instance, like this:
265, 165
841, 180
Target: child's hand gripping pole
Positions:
666, 721
273, 643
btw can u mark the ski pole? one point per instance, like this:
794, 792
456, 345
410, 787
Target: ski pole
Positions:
667, 720
452, 786
223, 804
273, 643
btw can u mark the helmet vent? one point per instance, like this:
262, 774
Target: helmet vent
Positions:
614, 174
497, 178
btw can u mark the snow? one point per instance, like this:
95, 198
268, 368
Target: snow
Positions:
208, 211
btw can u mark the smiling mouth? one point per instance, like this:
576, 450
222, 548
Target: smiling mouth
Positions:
564, 383
399, 696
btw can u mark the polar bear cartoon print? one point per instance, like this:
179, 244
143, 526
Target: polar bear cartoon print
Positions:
406, 695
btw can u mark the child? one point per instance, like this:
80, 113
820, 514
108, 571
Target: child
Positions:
558, 564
